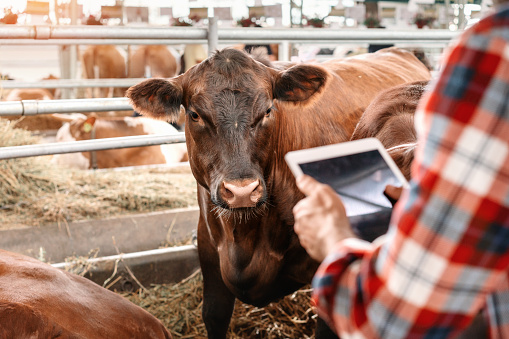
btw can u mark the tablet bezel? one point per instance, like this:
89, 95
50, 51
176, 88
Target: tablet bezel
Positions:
295, 158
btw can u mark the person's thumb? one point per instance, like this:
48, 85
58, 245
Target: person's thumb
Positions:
307, 184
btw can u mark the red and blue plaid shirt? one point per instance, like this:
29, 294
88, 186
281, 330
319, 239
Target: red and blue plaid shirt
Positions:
446, 254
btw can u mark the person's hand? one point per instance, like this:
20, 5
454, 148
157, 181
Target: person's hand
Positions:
320, 218
393, 193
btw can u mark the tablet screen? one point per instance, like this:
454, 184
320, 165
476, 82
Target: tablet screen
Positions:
360, 179
359, 171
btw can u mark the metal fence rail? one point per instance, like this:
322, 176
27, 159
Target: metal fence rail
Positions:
75, 34
35, 107
71, 83
89, 145
45, 32
35, 42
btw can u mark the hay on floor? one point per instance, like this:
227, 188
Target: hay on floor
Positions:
35, 192
178, 306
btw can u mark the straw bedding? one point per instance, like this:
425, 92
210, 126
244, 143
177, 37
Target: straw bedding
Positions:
178, 306
35, 192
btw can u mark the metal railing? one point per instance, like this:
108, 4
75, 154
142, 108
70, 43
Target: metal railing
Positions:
35, 107
76, 34
71, 35
89, 145
71, 83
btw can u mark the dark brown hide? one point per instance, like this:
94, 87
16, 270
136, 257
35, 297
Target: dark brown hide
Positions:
40, 301
390, 119
242, 117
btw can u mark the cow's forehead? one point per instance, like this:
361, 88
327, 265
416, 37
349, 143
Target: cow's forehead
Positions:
228, 69
229, 99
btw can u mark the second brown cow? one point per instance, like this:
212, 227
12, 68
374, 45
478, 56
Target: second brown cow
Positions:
242, 117
390, 119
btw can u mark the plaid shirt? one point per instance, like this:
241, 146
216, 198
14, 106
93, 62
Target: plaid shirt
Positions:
446, 254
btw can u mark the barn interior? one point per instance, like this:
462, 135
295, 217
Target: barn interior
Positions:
131, 226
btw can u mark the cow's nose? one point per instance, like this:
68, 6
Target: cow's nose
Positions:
243, 193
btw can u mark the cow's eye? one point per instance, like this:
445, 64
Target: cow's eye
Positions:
194, 116
267, 113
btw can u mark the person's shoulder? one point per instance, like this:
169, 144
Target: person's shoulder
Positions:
493, 22
493, 26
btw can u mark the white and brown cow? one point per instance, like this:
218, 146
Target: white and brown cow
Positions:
82, 127
242, 117
40, 301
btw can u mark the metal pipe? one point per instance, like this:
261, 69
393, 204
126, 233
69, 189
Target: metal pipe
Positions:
132, 255
299, 34
101, 32
35, 107
89, 145
213, 35
122, 42
238, 34
100, 42
71, 83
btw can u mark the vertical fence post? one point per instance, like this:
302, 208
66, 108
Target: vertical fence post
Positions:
212, 37
284, 51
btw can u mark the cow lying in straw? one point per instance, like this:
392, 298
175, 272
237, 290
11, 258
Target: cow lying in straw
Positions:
40, 301
82, 127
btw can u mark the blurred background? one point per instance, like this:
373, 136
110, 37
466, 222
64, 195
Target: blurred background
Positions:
33, 62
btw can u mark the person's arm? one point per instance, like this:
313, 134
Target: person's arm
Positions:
448, 244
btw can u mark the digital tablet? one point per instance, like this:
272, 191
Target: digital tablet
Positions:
359, 172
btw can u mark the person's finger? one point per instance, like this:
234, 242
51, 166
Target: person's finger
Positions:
393, 193
307, 184
304, 205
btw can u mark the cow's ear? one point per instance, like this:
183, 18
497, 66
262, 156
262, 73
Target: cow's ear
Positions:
88, 125
157, 98
298, 83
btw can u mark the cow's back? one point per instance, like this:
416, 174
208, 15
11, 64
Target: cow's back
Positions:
361, 78
330, 116
38, 300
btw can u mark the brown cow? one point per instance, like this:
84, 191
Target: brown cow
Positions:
242, 117
390, 119
162, 62
40, 301
81, 127
104, 62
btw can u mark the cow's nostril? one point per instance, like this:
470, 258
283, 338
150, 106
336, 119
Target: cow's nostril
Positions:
242, 193
257, 194
227, 193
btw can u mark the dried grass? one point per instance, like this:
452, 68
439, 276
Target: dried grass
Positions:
34, 192
178, 306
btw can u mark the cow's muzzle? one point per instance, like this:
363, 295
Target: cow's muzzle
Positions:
241, 193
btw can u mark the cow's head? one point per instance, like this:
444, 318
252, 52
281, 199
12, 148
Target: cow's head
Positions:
230, 119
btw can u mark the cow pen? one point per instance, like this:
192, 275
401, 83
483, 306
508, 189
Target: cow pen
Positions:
142, 258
